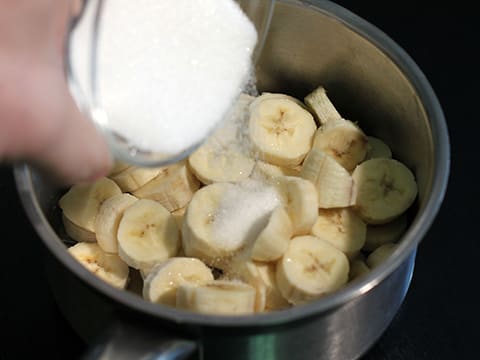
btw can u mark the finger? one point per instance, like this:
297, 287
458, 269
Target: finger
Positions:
78, 153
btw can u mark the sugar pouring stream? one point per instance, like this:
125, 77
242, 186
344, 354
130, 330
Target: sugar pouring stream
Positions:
157, 95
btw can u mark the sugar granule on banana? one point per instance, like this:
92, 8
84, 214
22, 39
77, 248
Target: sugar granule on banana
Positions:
225, 156
224, 219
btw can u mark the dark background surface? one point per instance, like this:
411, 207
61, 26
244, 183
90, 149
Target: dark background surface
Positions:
439, 318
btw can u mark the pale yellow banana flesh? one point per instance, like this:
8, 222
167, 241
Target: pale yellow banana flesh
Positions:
179, 215
274, 300
247, 272
274, 238
160, 285
378, 235
108, 219
301, 202
76, 232
212, 230
377, 148
269, 173
197, 239
81, 202
173, 187
342, 228
380, 254
358, 268
219, 297
323, 159
108, 267
147, 235
333, 182
118, 167
321, 106
133, 177
344, 141
225, 156
384, 188
310, 268
281, 131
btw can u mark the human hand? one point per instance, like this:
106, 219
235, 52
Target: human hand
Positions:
39, 120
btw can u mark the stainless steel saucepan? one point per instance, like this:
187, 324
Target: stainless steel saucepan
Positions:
372, 81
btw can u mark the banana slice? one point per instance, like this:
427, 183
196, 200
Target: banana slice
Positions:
274, 238
342, 228
358, 268
343, 141
118, 167
173, 187
378, 235
223, 220
160, 285
274, 300
147, 235
81, 203
220, 165
269, 95
385, 188
380, 254
260, 275
108, 219
76, 232
179, 215
281, 131
301, 202
267, 172
333, 182
310, 268
224, 157
377, 148
321, 106
108, 267
133, 177
198, 238
219, 297
247, 272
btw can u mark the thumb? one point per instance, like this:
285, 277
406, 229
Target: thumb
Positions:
78, 152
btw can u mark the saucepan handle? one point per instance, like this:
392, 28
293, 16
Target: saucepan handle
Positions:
125, 342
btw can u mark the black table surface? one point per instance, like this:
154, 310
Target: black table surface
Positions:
439, 317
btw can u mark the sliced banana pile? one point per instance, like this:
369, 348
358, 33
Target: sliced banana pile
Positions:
286, 202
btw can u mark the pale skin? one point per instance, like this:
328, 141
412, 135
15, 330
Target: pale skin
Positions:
39, 120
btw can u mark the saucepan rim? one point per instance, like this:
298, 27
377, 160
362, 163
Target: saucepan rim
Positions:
411, 239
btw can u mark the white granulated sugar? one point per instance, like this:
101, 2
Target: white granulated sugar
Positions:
243, 213
168, 71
